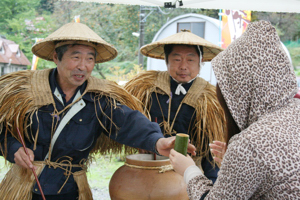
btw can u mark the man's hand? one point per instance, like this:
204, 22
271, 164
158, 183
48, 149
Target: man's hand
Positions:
218, 149
180, 162
164, 146
22, 159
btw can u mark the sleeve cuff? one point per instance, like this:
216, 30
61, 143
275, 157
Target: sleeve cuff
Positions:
12, 150
155, 149
191, 172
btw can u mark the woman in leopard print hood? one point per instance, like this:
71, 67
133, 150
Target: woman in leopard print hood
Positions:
256, 86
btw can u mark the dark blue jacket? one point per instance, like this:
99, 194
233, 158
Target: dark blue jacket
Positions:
78, 137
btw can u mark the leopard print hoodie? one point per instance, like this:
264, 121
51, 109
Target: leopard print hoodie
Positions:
258, 83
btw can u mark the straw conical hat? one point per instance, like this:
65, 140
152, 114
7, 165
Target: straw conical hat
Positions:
156, 49
75, 32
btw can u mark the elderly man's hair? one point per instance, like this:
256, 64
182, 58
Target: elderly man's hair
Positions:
168, 48
60, 51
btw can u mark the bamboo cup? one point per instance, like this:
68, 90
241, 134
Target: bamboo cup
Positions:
181, 143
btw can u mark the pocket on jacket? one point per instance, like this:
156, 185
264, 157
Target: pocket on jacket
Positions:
82, 129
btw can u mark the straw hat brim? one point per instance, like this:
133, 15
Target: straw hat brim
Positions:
156, 49
75, 32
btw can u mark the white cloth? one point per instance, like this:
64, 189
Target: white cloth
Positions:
191, 172
180, 88
201, 64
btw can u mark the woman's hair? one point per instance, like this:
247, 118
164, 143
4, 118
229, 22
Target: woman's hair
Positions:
232, 127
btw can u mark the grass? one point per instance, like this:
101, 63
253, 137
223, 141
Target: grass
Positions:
294, 50
100, 171
3, 168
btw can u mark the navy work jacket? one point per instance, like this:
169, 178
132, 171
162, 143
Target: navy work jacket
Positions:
79, 135
183, 122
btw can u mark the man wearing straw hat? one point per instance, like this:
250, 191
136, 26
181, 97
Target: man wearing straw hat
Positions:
179, 100
65, 115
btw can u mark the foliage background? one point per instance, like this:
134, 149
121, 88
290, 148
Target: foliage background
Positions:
22, 21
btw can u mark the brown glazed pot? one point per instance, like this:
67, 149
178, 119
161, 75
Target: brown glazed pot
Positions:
138, 181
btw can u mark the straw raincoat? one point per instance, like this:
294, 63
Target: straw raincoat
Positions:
196, 113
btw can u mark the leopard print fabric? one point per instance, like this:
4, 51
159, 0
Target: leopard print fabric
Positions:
258, 83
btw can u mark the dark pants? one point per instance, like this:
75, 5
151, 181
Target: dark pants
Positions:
68, 196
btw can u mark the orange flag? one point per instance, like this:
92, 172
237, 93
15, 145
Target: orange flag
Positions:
234, 24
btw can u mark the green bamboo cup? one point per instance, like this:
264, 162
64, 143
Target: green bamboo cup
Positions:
181, 143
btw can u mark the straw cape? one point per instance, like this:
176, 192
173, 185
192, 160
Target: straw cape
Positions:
22, 93
156, 49
74, 33
210, 119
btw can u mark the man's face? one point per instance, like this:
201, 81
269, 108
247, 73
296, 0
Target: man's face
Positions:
75, 66
183, 63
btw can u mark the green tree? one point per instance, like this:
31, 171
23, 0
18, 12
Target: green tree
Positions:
15, 9
287, 23
114, 23
14, 17
20, 23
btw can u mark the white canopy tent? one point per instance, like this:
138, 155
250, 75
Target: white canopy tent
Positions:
254, 5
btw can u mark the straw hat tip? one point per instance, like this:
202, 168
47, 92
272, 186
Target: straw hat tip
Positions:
185, 30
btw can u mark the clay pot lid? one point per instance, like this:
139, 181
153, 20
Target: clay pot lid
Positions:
147, 160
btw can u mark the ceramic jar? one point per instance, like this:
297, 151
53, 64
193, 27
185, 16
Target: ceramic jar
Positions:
142, 177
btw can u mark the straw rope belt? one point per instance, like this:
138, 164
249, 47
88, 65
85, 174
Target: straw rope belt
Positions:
66, 165
162, 169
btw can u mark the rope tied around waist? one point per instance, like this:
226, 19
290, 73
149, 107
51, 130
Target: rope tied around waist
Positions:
65, 163
162, 169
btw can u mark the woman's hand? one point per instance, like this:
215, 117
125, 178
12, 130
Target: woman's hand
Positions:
180, 162
218, 149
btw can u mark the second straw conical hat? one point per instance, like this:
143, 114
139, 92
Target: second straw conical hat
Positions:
156, 49
75, 32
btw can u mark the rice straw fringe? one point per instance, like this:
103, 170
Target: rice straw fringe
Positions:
22, 93
18, 182
84, 189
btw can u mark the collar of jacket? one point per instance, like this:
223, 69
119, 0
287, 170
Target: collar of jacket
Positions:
192, 96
